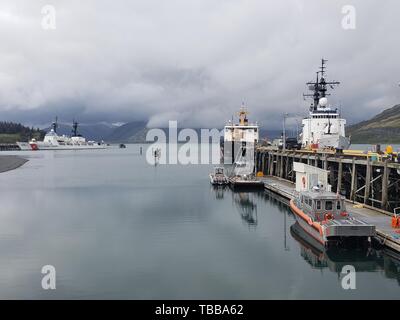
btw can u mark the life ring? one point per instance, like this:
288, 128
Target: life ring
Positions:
328, 216
304, 181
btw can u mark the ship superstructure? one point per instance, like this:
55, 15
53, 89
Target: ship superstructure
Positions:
324, 128
239, 137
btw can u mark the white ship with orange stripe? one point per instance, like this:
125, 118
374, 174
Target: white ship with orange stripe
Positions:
53, 141
323, 216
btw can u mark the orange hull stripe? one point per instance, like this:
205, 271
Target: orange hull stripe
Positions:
305, 217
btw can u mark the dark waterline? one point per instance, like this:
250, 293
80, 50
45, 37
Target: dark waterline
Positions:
115, 227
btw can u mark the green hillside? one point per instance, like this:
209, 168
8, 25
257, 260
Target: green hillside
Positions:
383, 128
11, 132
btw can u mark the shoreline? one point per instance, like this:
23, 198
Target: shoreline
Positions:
11, 162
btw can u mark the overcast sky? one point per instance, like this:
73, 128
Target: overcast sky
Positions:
194, 61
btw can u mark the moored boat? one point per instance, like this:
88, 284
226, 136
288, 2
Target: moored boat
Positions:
53, 141
239, 135
324, 128
323, 216
248, 182
218, 177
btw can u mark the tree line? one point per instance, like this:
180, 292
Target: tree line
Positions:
24, 133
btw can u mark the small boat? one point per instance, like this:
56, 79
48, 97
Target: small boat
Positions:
242, 175
218, 177
324, 217
246, 181
122, 146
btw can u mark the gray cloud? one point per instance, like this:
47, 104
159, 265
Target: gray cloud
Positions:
195, 61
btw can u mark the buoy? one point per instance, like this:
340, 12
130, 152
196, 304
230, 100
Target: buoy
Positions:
328, 216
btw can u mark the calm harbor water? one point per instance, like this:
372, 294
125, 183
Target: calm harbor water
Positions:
115, 227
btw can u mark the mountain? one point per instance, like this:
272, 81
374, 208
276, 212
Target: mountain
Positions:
96, 131
130, 132
135, 132
383, 128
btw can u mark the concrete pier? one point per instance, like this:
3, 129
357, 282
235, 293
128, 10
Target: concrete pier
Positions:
371, 179
9, 162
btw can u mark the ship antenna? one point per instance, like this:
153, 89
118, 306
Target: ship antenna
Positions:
322, 68
74, 128
55, 125
323, 83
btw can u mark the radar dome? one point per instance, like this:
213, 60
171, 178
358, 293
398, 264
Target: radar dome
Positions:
323, 102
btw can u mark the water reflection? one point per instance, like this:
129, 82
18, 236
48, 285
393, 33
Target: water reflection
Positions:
245, 203
219, 191
256, 210
246, 206
366, 259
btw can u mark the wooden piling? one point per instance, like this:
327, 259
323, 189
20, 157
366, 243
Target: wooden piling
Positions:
385, 184
367, 181
340, 174
353, 180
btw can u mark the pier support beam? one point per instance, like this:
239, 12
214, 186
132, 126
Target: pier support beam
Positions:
264, 161
353, 180
367, 181
287, 167
385, 184
375, 183
272, 165
340, 174
325, 162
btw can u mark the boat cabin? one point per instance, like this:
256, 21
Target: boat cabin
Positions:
219, 171
323, 205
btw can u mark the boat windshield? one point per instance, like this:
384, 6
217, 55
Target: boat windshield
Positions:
328, 205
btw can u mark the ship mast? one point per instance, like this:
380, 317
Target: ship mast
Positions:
54, 125
74, 128
243, 121
319, 87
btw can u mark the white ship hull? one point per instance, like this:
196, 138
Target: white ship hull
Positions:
45, 146
52, 141
25, 146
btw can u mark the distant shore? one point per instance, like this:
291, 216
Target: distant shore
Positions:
8, 163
